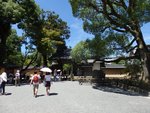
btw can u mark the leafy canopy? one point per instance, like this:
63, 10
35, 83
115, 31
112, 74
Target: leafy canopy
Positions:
80, 52
123, 16
13, 49
46, 33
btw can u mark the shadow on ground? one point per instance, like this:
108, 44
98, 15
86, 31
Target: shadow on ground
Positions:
40, 95
53, 94
117, 90
6, 94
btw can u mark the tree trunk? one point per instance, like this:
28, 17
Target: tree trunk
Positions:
145, 58
4, 33
29, 64
45, 60
144, 55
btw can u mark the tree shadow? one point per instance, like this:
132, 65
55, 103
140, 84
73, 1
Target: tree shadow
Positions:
117, 90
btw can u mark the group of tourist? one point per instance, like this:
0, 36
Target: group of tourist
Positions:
35, 81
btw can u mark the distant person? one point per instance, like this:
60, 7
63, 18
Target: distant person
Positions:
4, 80
17, 78
35, 80
58, 77
11, 78
61, 75
47, 80
55, 74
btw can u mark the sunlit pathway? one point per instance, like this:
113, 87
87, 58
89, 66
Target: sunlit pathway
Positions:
70, 97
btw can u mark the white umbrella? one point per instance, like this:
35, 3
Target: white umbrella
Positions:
58, 70
46, 69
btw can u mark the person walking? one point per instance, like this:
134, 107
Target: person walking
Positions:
35, 80
17, 78
47, 80
55, 74
4, 80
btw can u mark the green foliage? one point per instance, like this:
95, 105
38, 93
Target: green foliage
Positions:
39, 60
67, 67
54, 31
134, 69
111, 12
98, 47
61, 50
125, 16
47, 33
32, 59
13, 49
117, 43
15, 12
80, 52
11, 11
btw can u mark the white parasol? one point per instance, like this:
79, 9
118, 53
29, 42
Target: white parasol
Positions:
58, 70
46, 69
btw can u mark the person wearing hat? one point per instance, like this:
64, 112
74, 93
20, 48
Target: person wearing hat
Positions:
17, 78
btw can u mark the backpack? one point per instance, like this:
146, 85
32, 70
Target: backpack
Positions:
35, 79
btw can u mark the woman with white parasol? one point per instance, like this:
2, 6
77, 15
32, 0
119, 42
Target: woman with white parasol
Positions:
47, 79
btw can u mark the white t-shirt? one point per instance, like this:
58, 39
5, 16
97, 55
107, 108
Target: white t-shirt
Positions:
1, 80
17, 74
4, 76
47, 78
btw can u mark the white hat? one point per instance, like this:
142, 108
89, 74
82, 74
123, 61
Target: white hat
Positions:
17, 71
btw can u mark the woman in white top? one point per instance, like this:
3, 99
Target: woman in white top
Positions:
4, 80
47, 80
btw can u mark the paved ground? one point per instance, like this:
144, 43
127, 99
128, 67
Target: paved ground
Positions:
70, 97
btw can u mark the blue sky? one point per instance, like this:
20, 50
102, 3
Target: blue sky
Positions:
63, 9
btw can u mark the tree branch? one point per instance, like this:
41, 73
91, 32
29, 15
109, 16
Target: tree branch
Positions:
132, 49
32, 61
130, 43
113, 10
122, 58
119, 30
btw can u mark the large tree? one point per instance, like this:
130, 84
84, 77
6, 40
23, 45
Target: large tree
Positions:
13, 12
46, 33
55, 31
123, 16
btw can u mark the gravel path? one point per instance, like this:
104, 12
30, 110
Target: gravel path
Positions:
70, 97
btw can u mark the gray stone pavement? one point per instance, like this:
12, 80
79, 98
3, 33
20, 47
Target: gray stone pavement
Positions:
70, 97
